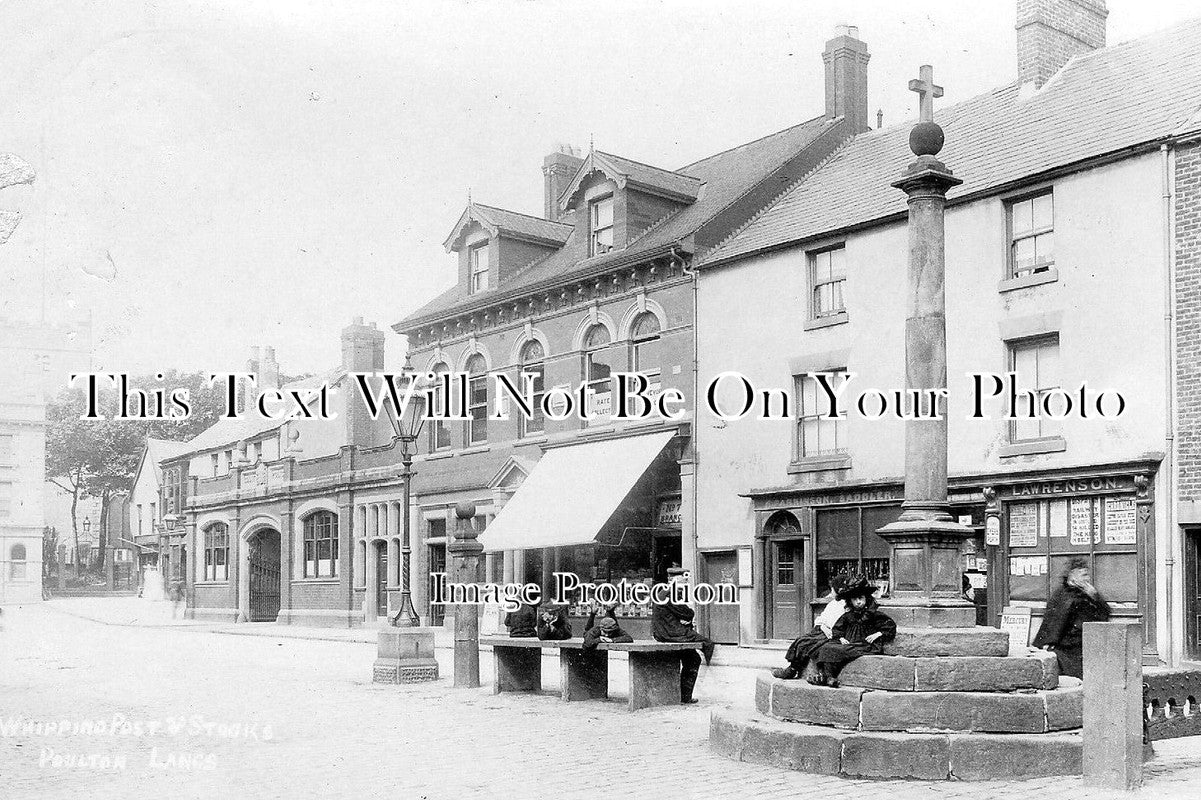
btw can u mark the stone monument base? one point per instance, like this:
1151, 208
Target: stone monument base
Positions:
405, 655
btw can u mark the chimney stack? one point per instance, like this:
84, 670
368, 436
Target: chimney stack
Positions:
846, 60
362, 351
558, 169
1051, 32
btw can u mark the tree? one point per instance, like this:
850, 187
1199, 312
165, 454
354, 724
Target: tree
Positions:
98, 457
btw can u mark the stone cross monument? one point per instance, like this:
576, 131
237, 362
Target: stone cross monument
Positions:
925, 571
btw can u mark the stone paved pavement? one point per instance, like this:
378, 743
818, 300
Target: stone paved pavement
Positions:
270, 717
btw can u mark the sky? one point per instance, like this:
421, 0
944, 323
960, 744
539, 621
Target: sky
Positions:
218, 175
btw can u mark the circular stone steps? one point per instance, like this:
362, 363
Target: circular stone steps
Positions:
1037, 670
1032, 711
932, 642
936, 756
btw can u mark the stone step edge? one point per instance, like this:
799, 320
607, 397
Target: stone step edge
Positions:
1036, 670
750, 738
1038, 712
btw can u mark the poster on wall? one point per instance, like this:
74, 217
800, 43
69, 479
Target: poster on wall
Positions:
1080, 520
1023, 525
1059, 519
1119, 521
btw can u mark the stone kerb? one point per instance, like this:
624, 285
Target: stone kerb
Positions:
1037, 711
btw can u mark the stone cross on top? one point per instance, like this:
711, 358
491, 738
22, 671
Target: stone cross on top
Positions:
926, 90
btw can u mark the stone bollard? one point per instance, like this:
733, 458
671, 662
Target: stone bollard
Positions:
465, 560
1113, 705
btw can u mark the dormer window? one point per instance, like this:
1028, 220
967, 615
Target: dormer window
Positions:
601, 227
478, 258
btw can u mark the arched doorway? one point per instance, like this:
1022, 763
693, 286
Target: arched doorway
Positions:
264, 571
786, 569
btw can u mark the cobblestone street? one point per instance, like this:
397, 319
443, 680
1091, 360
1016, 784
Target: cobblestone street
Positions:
267, 716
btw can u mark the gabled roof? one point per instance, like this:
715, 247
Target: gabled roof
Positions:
227, 432
153, 453
1101, 103
632, 174
498, 221
725, 178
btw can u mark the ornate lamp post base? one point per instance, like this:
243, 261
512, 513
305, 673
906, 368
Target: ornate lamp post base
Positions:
405, 655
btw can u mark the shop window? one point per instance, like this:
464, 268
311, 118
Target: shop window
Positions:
847, 542
1035, 362
598, 366
477, 400
1045, 535
16, 562
216, 553
600, 238
439, 429
1031, 235
815, 434
321, 545
532, 363
827, 282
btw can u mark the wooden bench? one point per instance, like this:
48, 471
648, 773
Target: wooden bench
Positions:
654, 668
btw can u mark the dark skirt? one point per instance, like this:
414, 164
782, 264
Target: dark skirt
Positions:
1071, 660
833, 656
803, 647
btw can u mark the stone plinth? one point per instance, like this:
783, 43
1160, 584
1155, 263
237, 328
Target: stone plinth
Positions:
405, 655
1038, 670
757, 739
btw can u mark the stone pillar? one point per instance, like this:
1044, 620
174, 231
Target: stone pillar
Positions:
346, 556
688, 529
464, 556
1113, 705
371, 571
287, 552
924, 564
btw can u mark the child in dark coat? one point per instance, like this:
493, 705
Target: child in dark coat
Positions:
803, 647
553, 624
863, 630
523, 622
607, 631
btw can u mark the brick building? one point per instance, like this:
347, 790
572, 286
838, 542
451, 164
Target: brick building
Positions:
601, 283
1074, 229
271, 520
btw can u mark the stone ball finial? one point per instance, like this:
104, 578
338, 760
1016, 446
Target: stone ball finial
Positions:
926, 139
465, 509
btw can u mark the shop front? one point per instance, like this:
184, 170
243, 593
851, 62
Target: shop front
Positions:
1028, 527
606, 511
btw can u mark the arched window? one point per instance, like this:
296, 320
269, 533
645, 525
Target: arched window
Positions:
320, 545
16, 557
598, 366
532, 357
216, 552
477, 400
644, 340
439, 430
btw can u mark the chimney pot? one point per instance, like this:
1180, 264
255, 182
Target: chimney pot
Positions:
558, 168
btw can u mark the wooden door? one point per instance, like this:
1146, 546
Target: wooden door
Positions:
787, 576
723, 619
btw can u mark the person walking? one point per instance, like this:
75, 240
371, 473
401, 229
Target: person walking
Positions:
1074, 603
674, 622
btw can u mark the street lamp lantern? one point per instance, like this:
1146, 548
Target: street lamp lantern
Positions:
406, 427
87, 525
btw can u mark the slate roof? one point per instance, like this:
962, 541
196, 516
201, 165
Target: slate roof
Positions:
627, 170
723, 177
514, 223
227, 432
1099, 103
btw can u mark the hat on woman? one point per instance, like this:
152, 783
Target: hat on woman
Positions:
608, 623
855, 586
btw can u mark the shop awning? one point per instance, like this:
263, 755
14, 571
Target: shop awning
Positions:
571, 493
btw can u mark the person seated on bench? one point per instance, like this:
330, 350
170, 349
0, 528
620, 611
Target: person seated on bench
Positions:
553, 624
522, 623
671, 622
800, 652
862, 630
609, 630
